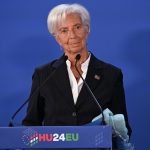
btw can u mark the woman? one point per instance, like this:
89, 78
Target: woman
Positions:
58, 95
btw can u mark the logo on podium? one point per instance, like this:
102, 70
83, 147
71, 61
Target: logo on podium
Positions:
31, 137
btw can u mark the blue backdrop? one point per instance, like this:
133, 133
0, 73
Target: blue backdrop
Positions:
120, 34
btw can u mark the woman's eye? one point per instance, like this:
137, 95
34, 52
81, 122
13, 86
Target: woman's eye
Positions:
78, 27
64, 31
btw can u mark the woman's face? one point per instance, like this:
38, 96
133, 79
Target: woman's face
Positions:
72, 34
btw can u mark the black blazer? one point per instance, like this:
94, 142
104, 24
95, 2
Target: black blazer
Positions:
52, 104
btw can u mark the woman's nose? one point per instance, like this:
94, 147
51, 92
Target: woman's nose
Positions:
72, 34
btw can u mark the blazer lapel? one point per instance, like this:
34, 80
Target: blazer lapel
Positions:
61, 80
93, 78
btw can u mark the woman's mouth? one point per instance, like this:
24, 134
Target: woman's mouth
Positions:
75, 44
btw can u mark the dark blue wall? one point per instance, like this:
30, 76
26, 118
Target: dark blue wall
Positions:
120, 34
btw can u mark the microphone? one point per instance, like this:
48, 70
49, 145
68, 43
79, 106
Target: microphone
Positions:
38, 88
78, 56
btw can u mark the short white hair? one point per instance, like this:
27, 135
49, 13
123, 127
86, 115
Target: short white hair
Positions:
59, 13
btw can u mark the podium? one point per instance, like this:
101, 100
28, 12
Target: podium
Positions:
56, 137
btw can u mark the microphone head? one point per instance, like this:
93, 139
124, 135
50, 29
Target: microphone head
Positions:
78, 56
65, 57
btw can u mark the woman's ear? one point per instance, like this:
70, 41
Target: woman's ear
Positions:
57, 39
87, 35
87, 32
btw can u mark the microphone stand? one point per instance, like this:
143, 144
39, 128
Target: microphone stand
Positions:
78, 56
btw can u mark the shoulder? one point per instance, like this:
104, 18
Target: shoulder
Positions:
50, 66
107, 68
46, 67
45, 70
111, 68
